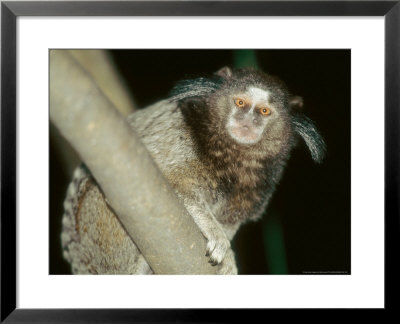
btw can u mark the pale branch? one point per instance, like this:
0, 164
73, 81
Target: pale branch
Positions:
143, 200
101, 67
99, 64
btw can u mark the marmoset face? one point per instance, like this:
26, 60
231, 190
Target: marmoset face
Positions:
251, 111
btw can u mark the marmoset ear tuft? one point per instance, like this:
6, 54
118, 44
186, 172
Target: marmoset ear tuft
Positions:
224, 72
307, 130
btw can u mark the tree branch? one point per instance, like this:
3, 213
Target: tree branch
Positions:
101, 67
143, 200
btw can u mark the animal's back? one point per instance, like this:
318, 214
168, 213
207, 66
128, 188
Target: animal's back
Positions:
93, 239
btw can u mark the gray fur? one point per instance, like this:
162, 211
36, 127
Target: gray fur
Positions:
172, 148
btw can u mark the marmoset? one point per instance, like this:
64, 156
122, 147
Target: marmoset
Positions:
222, 142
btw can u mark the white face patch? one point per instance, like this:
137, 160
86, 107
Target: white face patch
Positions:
257, 96
246, 130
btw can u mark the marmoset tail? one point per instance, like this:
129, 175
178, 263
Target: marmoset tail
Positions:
222, 143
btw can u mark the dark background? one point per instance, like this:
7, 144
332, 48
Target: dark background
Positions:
307, 225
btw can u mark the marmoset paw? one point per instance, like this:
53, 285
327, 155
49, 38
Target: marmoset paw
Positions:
228, 265
216, 249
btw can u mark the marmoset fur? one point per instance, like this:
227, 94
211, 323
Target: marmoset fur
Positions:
222, 143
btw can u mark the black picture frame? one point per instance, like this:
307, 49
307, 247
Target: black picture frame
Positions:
10, 10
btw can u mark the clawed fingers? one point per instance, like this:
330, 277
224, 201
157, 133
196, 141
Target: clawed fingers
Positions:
216, 250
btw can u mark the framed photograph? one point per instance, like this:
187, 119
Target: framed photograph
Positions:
287, 239
323, 75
